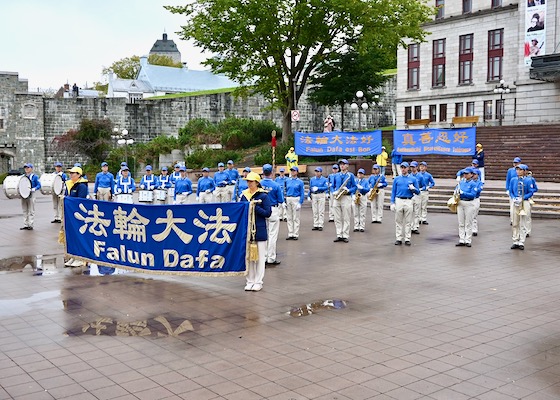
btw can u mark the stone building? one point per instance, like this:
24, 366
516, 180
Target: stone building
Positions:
473, 47
166, 47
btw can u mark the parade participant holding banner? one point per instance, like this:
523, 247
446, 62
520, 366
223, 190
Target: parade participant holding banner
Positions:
28, 204
376, 195
276, 196
260, 210
295, 194
359, 205
281, 181
344, 190
404, 187
183, 187
221, 180
57, 197
233, 178
104, 182
148, 183
318, 188
124, 187
205, 187
76, 186
240, 185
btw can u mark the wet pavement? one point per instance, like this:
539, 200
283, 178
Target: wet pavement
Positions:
358, 320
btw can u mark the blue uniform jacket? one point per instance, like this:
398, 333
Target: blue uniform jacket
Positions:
124, 186
221, 179
396, 158
426, 181
467, 189
233, 176
35, 183
374, 178
339, 179
363, 182
103, 180
149, 183
165, 181
183, 186
401, 189
274, 190
205, 183
240, 186
511, 173
529, 188
321, 183
478, 187
330, 180
295, 188
263, 210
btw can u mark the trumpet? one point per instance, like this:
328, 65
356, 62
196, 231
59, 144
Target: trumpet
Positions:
374, 191
342, 190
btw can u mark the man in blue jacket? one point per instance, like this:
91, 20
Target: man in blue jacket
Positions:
404, 187
28, 205
466, 207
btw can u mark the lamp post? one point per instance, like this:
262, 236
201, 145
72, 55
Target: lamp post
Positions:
501, 88
123, 140
359, 103
378, 104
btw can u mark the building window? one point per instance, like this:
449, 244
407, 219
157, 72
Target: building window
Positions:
417, 112
466, 44
413, 66
487, 110
134, 97
467, 6
470, 108
438, 63
496, 3
495, 54
433, 113
442, 112
440, 5
458, 109
407, 114
500, 109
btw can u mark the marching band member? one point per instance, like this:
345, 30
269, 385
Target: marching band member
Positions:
176, 174
465, 208
404, 187
416, 199
281, 180
511, 173
330, 180
531, 178
240, 185
104, 182
376, 180
262, 211
521, 190
124, 184
425, 182
318, 187
276, 196
396, 160
359, 204
183, 187
123, 164
164, 183
478, 189
28, 205
149, 181
205, 187
344, 188
233, 178
221, 180
295, 194
56, 198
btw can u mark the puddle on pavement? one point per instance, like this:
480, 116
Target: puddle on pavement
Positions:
38, 264
8, 216
312, 308
21, 306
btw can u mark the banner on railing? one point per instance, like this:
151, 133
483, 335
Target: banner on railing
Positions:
190, 239
450, 142
338, 143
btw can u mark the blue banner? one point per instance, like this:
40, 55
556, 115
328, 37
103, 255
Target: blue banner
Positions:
450, 142
199, 239
338, 143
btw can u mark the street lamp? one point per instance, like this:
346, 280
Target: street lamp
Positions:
122, 139
501, 89
359, 103
378, 104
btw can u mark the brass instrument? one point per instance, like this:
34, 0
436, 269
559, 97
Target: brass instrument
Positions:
342, 190
518, 201
358, 198
453, 201
374, 191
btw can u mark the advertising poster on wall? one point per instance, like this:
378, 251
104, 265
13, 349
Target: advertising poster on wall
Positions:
535, 30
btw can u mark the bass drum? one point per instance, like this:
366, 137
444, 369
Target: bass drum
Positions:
51, 184
17, 187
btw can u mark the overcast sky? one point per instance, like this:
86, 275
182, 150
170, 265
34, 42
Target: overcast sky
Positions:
52, 42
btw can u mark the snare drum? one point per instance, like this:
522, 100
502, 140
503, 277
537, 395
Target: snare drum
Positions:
171, 192
17, 187
51, 184
146, 196
124, 198
160, 194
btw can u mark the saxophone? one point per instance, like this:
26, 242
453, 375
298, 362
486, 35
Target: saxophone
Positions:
342, 190
374, 191
453, 201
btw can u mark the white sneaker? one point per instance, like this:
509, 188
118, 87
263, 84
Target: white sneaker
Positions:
256, 287
69, 262
248, 287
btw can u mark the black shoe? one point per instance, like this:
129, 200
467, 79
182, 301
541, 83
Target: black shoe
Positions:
295, 238
320, 228
29, 228
475, 233
362, 230
356, 230
275, 262
528, 235
514, 246
54, 221
315, 228
425, 223
398, 242
289, 238
521, 247
407, 243
331, 220
460, 244
338, 239
345, 240
23, 229
416, 231
468, 245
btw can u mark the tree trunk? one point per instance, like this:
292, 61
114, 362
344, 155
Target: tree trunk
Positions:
342, 116
287, 133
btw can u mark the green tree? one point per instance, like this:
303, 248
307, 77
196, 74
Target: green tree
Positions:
92, 139
156, 59
273, 47
128, 67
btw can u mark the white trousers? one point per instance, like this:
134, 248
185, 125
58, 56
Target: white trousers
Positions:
331, 207
318, 206
481, 169
282, 213
424, 197
57, 206
403, 219
342, 216
360, 212
103, 194
465, 214
416, 204
476, 203
396, 170
519, 223
293, 216
377, 206
221, 194
205, 198
28, 207
181, 199
273, 226
255, 269
230, 190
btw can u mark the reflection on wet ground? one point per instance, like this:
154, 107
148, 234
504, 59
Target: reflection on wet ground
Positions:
39, 264
20, 306
308, 309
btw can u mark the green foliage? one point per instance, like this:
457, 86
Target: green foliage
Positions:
92, 138
210, 158
2, 177
264, 156
239, 133
199, 131
125, 68
165, 61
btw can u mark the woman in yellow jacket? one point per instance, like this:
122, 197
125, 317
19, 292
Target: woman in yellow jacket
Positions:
381, 160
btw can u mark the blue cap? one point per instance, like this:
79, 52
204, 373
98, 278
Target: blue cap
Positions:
282, 169
230, 162
164, 168
319, 169
248, 169
405, 164
177, 165
335, 166
267, 168
343, 161
28, 165
517, 160
75, 165
375, 166
220, 164
123, 164
58, 164
469, 170
523, 167
361, 171
148, 167
294, 168
205, 169
424, 163
413, 164
476, 171
124, 168
104, 164
475, 162
182, 168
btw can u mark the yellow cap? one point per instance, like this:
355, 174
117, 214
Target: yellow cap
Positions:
76, 169
478, 145
253, 176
